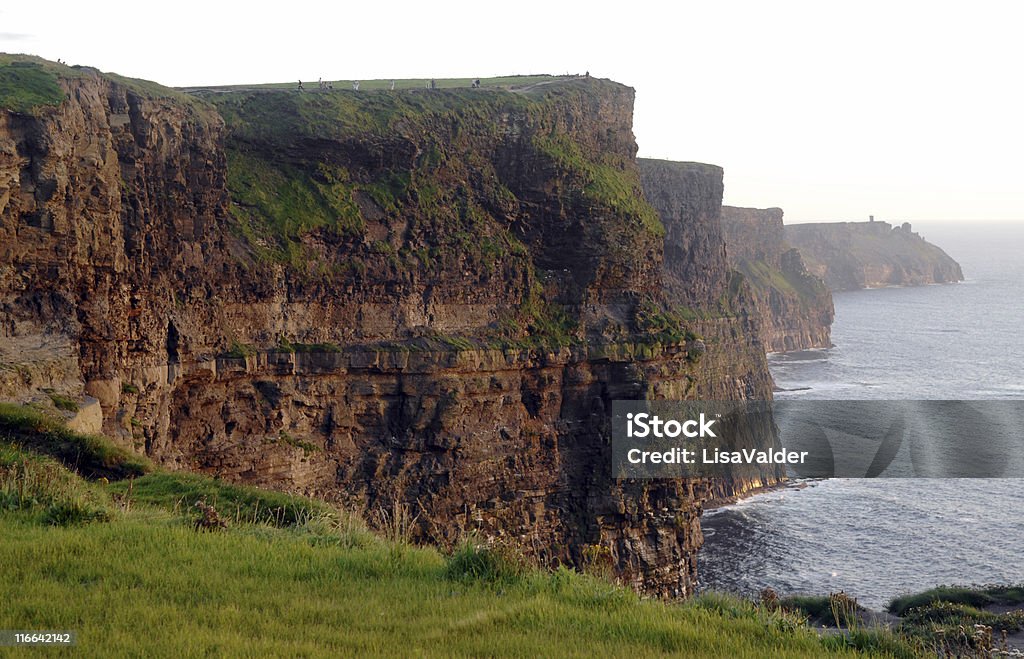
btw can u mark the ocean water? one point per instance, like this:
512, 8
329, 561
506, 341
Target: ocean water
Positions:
876, 539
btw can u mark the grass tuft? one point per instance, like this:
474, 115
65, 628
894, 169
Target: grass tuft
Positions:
874, 642
815, 607
64, 403
239, 350
66, 513
492, 564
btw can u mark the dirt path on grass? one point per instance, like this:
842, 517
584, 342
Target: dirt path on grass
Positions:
529, 88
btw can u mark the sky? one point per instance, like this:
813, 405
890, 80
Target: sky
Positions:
832, 111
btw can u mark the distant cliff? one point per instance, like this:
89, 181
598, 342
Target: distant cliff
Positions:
852, 255
795, 306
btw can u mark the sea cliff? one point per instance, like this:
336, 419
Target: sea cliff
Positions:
418, 304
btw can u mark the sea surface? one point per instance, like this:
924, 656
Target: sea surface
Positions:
877, 538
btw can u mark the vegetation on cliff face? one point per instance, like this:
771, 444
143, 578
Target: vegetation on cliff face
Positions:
765, 278
666, 326
414, 184
605, 183
327, 166
253, 572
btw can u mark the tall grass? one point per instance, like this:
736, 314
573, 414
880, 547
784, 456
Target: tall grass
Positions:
152, 586
238, 504
91, 455
294, 577
42, 488
287, 575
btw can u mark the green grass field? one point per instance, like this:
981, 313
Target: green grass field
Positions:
124, 566
149, 584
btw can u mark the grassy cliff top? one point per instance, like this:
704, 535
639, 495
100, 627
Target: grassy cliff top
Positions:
508, 83
682, 165
868, 241
281, 109
29, 83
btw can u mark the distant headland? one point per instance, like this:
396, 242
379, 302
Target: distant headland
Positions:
853, 255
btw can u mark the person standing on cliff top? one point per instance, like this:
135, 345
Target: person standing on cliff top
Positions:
300, 86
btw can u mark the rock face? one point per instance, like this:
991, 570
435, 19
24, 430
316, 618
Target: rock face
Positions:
688, 197
704, 293
794, 305
415, 303
853, 255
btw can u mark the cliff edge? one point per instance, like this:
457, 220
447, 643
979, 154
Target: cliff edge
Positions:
853, 255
